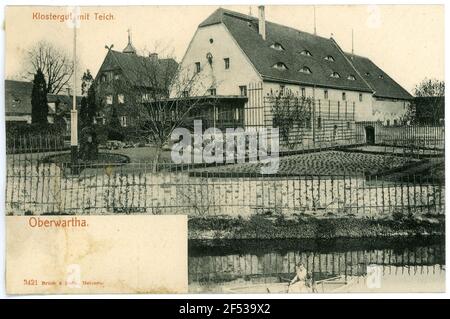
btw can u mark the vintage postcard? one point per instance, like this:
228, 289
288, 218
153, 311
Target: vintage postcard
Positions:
225, 149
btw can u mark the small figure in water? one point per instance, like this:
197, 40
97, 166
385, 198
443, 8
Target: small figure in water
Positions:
301, 281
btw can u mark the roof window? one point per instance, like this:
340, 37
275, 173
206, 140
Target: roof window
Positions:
335, 75
280, 66
305, 70
306, 52
277, 46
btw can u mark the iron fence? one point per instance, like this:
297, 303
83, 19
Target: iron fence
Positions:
280, 265
36, 186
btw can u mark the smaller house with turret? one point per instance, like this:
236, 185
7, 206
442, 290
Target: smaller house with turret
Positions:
126, 79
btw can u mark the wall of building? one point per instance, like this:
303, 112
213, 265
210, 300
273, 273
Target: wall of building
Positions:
363, 109
214, 75
389, 111
18, 118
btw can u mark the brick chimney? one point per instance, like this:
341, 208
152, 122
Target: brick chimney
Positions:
261, 22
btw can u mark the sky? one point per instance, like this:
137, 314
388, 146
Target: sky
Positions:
406, 41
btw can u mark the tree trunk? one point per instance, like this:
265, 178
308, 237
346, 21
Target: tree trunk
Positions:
156, 159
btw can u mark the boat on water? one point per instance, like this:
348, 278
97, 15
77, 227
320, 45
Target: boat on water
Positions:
327, 285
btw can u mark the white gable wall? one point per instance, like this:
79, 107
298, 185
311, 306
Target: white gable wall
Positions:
225, 81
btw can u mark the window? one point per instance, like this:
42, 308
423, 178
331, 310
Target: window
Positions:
360, 97
109, 99
120, 98
282, 88
344, 96
303, 92
351, 77
388, 122
349, 126
123, 121
325, 94
197, 67
335, 75
211, 40
116, 76
277, 46
395, 122
243, 90
236, 114
306, 70
306, 52
280, 66
319, 122
212, 92
185, 94
145, 97
227, 63
103, 78
329, 58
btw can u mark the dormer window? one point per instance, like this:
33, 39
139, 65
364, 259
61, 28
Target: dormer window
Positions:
381, 76
329, 58
367, 74
277, 46
280, 66
351, 77
305, 70
306, 52
335, 75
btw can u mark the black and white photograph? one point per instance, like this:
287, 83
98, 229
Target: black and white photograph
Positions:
301, 145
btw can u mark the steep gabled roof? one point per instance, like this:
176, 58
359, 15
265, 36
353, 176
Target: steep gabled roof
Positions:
135, 67
244, 30
381, 83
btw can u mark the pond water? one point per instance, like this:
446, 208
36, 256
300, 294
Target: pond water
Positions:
343, 265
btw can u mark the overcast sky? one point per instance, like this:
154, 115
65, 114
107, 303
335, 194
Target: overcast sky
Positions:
405, 41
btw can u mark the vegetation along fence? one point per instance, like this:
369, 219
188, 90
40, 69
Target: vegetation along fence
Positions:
37, 187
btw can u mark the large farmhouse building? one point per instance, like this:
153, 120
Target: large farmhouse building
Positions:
241, 55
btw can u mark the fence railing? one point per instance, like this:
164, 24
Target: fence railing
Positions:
272, 265
37, 187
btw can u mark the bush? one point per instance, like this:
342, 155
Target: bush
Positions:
22, 137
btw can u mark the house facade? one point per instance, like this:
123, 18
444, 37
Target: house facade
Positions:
126, 80
18, 104
236, 54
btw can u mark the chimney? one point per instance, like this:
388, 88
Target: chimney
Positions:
153, 57
262, 22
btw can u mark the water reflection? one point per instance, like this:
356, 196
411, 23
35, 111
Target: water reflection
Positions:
413, 264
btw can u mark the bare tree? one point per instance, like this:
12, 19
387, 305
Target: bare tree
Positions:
292, 115
429, 88
56, 65
159, 97
428, 104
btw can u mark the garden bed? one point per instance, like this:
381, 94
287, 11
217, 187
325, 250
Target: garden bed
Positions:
65, 159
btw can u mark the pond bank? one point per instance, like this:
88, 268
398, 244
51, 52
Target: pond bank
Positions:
278, 227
